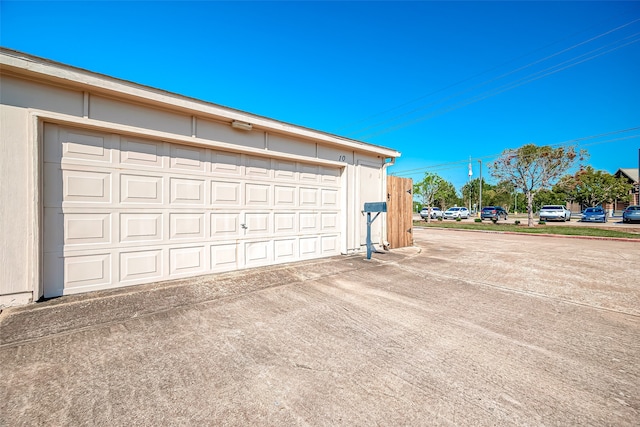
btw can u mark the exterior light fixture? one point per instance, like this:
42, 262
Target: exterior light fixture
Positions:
241, 125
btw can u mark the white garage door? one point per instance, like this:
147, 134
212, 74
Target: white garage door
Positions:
120, 211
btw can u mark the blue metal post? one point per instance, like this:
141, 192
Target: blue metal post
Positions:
369, 235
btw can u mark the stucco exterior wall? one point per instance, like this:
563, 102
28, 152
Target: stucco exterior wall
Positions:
16, 206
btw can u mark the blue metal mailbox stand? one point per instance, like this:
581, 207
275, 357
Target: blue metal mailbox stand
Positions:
378, 208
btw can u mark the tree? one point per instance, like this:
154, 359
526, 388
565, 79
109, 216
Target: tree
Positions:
593, 188
549, 197
502, 194
427, 189
532, 168
446, 196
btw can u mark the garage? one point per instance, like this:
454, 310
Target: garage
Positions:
121, 210
107, 183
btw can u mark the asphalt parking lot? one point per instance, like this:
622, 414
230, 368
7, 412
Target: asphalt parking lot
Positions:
613, 223
464, 328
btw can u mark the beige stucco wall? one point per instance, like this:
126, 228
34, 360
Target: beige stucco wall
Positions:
16, 206
26, 104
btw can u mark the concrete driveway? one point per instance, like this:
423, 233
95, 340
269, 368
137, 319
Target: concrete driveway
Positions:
465, 328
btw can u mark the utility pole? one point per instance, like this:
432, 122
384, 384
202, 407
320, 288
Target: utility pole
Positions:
480, 202
470, 192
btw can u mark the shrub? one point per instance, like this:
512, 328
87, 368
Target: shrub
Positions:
542, 222
458, 219
439, 218
517, 222
478, 220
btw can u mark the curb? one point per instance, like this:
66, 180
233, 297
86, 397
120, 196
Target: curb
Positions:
563, 236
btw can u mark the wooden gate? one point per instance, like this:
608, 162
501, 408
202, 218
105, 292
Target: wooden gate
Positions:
399, 212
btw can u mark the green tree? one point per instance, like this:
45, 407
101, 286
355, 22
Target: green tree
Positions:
593, 188
427, 189
446, 196
491, 194
532, 168
503, 195
549, 197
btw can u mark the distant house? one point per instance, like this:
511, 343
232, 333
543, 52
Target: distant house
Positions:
631, 174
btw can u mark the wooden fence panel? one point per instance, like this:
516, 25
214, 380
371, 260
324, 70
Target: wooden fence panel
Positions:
399, 212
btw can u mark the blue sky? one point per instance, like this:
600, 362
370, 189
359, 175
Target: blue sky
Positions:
438, 81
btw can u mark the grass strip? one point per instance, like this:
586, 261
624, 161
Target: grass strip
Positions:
538, 229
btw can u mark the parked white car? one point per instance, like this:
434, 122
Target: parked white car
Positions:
555, 213
435, 213
457, 212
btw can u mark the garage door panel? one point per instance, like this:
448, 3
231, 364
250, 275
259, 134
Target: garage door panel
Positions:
284, 170
225, 224
285, 223
257, 253
329, 221
330, 175
139, 227
141, 265
309, 247
285, 250
53, 279
189, 158
329, 198
53, 230
329, 245
87, 229
284, 196
186, 226
141, 189
142, 153
308, 173
223, 163
86, 146
258, 167
87, 187
309, 197
87, 270
187, 191
52, 176
186, 261
257, 194
225, 193
257, 223
224, 257
309, 222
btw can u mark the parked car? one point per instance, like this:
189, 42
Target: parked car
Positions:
555, 213
457, 212
493, 213
631, 213
596, 214
435, 213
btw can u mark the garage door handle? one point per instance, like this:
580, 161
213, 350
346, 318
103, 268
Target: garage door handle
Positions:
244, 226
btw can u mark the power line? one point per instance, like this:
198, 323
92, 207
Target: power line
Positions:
506, 87
456, 163
500, 65
496, 91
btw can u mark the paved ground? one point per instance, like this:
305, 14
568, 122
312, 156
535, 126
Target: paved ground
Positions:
465, 328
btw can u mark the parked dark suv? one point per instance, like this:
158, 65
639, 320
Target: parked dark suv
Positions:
494, 213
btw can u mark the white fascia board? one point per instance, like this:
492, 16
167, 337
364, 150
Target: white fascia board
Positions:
31, 66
